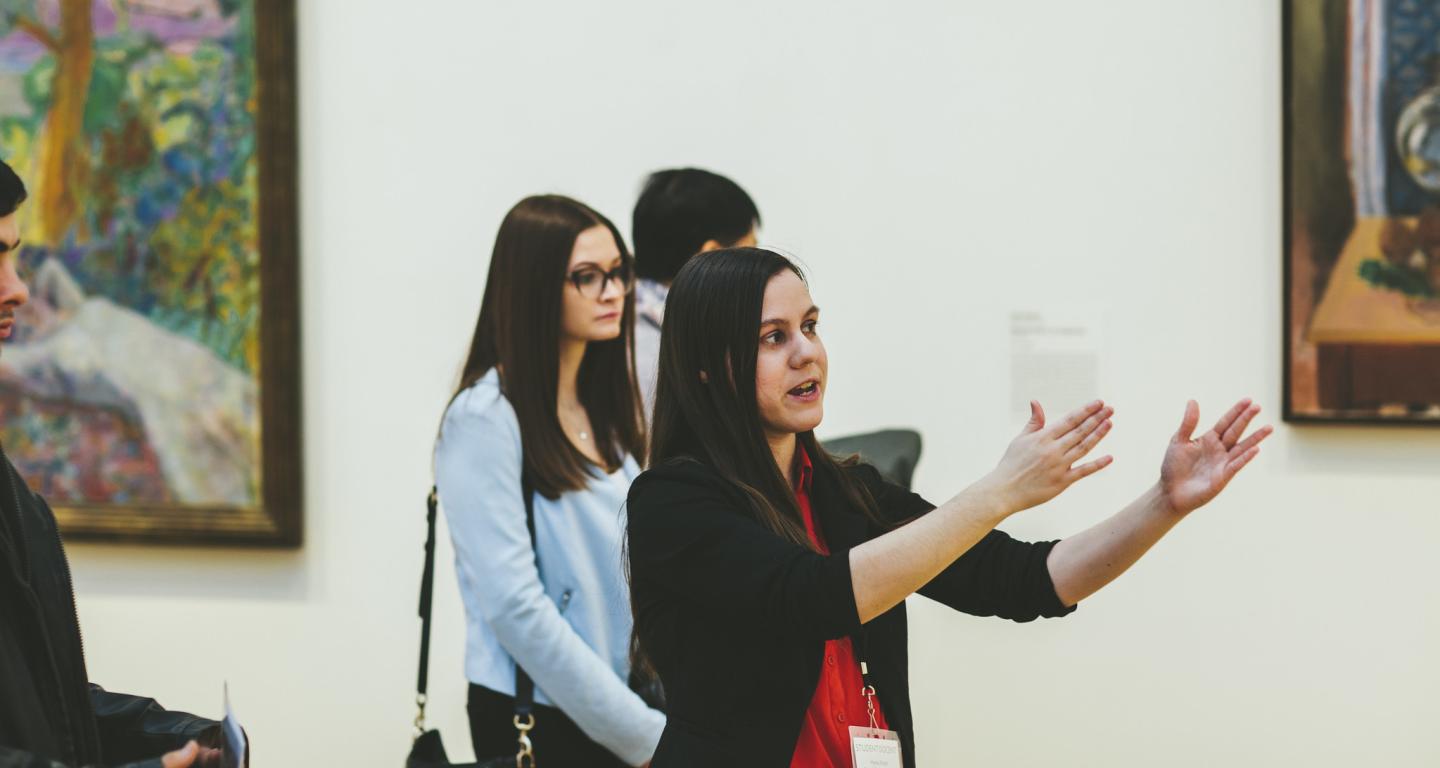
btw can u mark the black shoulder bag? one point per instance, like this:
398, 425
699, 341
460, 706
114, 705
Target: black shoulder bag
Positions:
427, 751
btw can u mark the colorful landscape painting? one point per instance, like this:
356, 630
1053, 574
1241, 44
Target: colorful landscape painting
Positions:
134, 377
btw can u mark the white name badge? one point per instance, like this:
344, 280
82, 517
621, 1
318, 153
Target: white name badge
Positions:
875, 748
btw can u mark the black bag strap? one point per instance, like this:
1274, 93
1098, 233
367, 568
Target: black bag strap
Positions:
427, 592
524, 686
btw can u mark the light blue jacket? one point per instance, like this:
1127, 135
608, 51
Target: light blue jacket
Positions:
568, 621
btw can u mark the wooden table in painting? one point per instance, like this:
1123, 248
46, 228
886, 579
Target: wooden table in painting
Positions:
1374, 347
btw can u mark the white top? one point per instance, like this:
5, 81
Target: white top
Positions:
650, 299
566, 621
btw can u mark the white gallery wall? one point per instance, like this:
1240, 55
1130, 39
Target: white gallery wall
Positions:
938, 166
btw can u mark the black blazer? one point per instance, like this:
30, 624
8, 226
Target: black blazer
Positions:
735, 618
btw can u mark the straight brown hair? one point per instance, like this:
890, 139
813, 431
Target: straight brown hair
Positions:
518, 333
712, 324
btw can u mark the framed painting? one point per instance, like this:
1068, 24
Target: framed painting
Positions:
1362, 211
151, 390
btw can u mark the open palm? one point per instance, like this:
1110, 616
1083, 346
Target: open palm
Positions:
1197, 469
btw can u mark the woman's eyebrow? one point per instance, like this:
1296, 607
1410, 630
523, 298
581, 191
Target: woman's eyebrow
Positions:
617, 260
813, 310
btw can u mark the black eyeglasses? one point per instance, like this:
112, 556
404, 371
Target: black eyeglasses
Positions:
591, 281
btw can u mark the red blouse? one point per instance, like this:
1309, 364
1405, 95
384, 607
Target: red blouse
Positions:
838, 702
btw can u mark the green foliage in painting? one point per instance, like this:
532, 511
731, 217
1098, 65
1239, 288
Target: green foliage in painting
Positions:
1393, 277
160, 190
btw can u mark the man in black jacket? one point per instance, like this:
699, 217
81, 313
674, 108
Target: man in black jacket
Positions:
50, 715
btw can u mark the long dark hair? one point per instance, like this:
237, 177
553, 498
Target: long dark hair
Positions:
712, 327
518, 332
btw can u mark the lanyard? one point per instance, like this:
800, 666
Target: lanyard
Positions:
862, 652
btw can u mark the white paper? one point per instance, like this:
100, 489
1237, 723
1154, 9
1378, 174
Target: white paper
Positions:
233, 736
1054, 358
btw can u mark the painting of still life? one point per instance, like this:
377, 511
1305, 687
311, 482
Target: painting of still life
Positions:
150, 391
1362, 206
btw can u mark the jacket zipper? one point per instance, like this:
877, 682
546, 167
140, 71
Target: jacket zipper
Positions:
75, 617
70, 582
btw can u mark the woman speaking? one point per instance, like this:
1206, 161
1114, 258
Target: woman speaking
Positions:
768, 579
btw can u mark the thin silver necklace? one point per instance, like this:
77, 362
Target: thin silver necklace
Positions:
582, 434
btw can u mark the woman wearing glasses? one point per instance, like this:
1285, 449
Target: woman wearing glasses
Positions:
547, 407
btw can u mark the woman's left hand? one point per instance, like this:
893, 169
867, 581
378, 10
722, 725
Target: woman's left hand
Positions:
1197, 470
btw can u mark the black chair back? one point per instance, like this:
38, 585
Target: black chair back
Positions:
892, 451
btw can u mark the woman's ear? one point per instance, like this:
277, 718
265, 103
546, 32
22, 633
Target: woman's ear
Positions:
704, 378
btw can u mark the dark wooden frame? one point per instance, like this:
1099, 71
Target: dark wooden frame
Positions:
277, 522
1287, 124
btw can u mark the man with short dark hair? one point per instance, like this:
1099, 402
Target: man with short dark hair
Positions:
50, 715
681, 212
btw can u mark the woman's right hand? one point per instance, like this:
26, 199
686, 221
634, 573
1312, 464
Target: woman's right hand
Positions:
1040, 463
